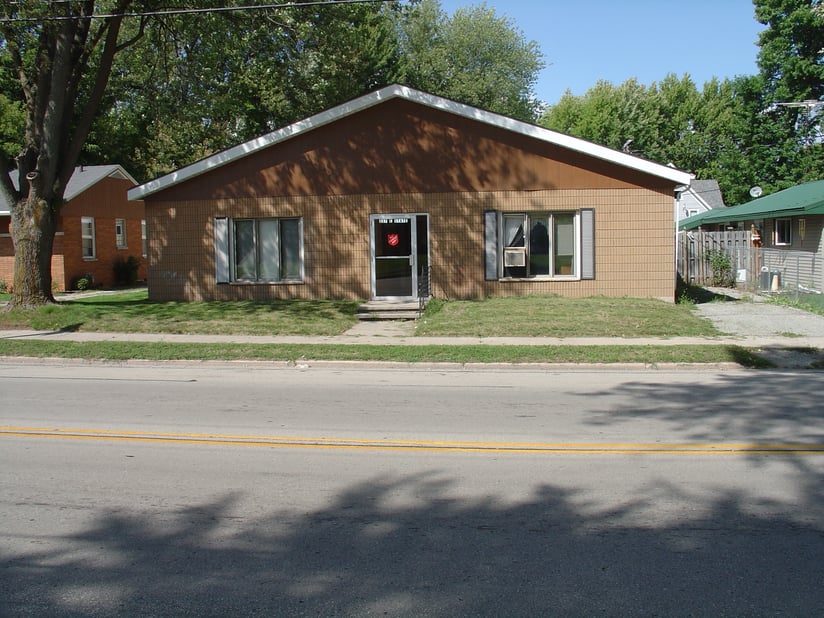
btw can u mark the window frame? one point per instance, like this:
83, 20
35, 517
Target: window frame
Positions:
91, 237
550, 219
120, 234
778, 238
258, 247
144, 238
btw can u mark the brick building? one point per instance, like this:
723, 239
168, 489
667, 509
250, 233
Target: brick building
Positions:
397, 188
97, 227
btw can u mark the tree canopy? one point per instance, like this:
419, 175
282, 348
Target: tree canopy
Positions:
475, 57
761, 129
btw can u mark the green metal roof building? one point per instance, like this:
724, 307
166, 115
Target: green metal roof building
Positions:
801, 200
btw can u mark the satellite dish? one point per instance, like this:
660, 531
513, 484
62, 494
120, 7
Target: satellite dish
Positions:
756, 191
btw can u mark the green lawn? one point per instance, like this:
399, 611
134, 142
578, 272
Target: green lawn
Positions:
528, 317
132, 312
552, 316
537, 316
813, 303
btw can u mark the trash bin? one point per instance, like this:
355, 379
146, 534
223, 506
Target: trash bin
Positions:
764, 279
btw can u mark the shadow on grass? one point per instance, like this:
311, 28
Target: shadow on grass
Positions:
292, 307
699, 295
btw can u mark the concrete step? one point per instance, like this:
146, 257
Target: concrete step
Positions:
389, 310
388, 315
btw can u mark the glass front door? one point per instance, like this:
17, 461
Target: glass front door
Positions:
399, 250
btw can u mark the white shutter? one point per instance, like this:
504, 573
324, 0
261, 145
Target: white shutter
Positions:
587, 243
222, 250
490, 245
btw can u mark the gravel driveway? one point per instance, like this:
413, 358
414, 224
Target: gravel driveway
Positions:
753, 317
756, 318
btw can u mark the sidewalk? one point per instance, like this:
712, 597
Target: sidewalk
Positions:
393, 333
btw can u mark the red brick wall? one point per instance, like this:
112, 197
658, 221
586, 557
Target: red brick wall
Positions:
105, 202
6, 252
7, 257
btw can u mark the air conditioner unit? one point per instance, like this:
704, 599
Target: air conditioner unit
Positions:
514, 257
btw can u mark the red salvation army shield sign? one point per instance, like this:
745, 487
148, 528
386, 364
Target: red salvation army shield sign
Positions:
393, 239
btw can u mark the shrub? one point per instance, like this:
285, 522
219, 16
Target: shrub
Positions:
721, 265
82, 283
125, 270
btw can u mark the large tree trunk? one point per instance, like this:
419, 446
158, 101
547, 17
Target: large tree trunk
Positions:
33, 224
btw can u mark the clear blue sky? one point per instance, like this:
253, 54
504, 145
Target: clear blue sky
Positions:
587, 40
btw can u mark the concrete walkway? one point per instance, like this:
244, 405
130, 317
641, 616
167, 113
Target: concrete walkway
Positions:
392, 333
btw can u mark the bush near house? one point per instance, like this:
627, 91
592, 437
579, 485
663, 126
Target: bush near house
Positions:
125, 270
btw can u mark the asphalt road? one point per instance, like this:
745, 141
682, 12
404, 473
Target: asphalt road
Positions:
214, 491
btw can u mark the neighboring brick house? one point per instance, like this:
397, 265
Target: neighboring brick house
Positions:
372, 198
97, 226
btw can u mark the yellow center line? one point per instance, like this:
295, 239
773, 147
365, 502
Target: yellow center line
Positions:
686, 448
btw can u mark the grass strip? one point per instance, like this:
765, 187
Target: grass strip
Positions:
120, 351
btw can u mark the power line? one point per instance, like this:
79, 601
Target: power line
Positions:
167, 12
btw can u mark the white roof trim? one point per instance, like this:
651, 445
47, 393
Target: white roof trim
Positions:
410, 94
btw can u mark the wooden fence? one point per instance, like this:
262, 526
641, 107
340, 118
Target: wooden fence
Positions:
728, 258
716, 258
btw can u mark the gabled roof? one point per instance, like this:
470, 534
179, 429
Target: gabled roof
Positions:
708, 192
88, 175
805, 199
83, 177
409, 94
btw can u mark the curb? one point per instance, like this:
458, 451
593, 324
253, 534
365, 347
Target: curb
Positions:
389, 365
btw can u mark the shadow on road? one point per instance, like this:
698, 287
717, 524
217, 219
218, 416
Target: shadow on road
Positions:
360, 555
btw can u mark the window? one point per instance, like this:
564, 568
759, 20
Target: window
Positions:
540, 245
87, 235
144, 240
783, 232
120, 233
259, 250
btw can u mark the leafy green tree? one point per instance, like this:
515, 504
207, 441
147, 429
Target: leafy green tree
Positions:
475, 57
670, 122
625, 117
792, 48
62, 59
12, 125
202, 83
788, 137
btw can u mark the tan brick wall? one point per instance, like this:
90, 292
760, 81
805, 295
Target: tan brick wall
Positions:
633, 234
